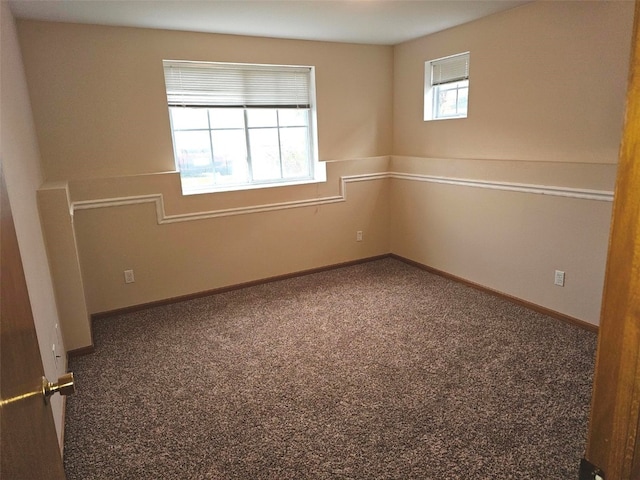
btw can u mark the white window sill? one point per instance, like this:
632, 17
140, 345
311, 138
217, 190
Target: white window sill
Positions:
444, 118
320, 177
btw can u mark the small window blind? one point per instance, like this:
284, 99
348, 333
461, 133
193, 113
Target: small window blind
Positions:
450, 69
206, 84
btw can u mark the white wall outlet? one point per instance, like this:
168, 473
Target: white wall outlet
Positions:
128, 276
559, 278
359, 236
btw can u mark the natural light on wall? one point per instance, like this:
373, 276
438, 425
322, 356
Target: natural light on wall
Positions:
239, 126
446, 87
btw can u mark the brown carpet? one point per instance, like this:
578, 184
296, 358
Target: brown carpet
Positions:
375, 371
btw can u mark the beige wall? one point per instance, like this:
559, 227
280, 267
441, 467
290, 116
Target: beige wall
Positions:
546, 103
100, 108
21, 166
547, 86
547, 83
62, 248
229, 246
508, 240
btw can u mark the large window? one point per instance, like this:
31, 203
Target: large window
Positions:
240, 126
446, 92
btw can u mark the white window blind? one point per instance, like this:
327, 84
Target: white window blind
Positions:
206, 84
450, 69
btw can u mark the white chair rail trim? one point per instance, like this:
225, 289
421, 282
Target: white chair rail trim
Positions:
162, 217
585, 194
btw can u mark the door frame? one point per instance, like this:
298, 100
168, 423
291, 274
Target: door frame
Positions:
613, 443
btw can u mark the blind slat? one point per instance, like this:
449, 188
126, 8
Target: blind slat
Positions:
236, 85
451, 69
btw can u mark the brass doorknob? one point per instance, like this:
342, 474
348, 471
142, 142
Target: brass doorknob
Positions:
65, 386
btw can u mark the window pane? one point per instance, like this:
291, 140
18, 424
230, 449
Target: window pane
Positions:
262, 117
447, 101
229, 156
293, 117
295, 152
193, 152
226, 117
450, 99
265, 154
257, 130
188, 118
463, 95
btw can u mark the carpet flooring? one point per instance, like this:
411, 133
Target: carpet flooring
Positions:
373, 371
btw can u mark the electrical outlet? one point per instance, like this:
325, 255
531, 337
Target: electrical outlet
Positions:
559, 278
128, 276
359, 236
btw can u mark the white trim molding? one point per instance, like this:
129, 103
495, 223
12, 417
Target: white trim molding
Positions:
584, 194
162, 217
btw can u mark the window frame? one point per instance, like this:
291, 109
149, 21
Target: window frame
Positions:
315, 168
431, 89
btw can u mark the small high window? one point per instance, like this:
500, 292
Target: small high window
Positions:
238, 126
446, 89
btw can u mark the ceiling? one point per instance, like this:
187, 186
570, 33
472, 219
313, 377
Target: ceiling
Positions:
383, 22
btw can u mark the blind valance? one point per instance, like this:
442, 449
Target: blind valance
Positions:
450, 69
209, 84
